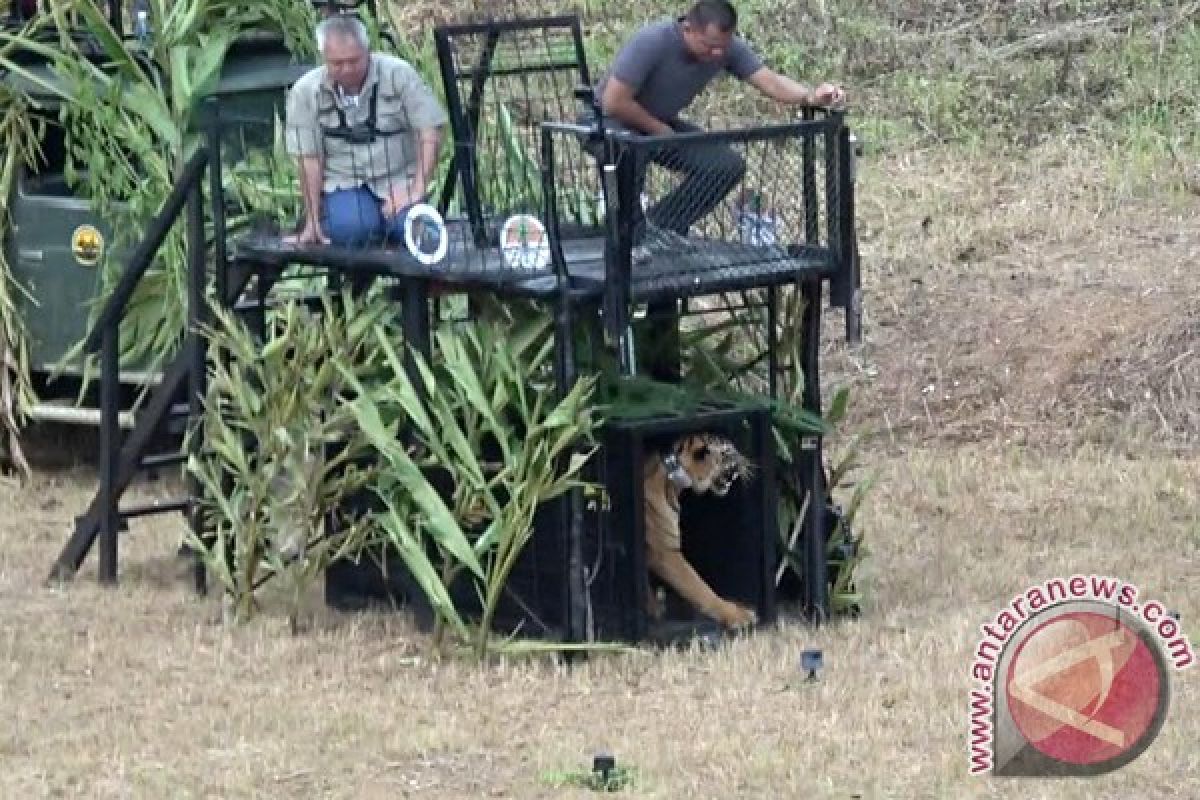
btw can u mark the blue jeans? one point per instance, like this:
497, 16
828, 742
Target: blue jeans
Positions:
354, 218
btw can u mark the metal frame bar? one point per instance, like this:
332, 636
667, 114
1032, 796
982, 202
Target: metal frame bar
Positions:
508, 25
120, 456
110, 445
816, 591
462, 124
198, 316
808, 128
570, 507
492, 72
147, 248
117, 463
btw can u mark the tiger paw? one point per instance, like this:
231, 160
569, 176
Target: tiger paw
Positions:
735, 616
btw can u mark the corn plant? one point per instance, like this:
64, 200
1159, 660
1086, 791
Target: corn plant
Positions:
844, 552
513, 178
21, 131
264, 186
21, 134
280, 452
484, 412
130, 117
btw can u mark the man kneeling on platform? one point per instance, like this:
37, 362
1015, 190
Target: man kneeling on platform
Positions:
366, 130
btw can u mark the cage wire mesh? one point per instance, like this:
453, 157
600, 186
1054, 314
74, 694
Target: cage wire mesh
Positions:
505, 78
729, 209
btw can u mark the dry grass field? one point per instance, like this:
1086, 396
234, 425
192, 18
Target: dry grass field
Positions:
1029, 388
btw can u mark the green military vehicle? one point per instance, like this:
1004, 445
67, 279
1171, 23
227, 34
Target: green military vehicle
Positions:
53, 240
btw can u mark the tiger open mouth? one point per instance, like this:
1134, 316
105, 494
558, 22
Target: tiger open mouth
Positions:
723, 480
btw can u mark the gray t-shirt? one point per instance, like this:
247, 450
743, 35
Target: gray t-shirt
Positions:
665, 78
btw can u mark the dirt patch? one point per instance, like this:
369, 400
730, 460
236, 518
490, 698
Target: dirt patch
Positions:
1044, 316
1046, 367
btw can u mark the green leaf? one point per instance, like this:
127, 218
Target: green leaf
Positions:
465, 378
52, 89
413, 554
183, 17
837, 407
148, 105
95, 22
459, 452
441, 523
206, 72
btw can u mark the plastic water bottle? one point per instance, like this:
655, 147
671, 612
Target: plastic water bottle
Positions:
601, 207
141, 21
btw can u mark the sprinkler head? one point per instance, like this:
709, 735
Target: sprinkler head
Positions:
603, 764
811, 661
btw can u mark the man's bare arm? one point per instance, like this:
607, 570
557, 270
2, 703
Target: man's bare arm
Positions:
312, 172
783, 89
618, 102
429, 146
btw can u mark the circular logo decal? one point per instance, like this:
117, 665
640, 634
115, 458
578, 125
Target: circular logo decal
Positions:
1085, 688
87, 244
524, 243
425, 234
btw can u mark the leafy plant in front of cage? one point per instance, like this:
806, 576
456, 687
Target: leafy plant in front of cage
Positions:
280, 454
483, 415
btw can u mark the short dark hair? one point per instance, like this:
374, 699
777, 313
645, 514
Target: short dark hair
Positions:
713, 12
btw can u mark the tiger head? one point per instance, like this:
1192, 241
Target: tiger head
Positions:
706, 462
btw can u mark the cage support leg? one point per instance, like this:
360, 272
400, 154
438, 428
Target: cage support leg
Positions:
816, 588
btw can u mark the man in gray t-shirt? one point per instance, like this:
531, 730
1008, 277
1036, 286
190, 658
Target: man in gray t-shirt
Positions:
661, 73
657, 75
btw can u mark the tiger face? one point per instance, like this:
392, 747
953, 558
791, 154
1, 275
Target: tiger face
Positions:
712, 463
702, 462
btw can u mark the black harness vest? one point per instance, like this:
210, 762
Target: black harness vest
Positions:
365, 132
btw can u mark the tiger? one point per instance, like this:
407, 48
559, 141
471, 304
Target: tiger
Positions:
701, 462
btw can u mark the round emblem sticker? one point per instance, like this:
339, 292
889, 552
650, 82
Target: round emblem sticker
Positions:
524, 243
425, 234
87, 244
1082, 691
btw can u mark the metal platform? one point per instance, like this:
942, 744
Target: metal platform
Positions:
707, 266
702, 267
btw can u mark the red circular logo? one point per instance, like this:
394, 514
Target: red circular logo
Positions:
1087, 689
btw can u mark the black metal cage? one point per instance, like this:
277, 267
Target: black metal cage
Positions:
757, 209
